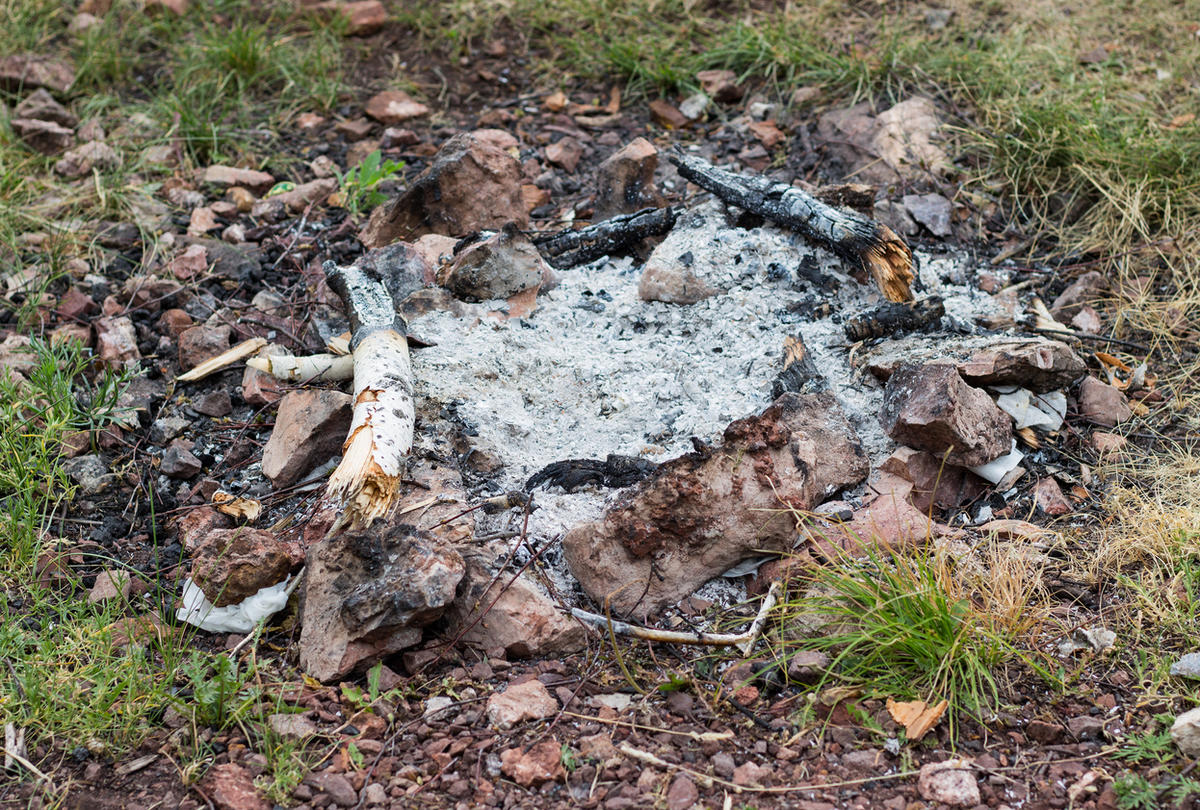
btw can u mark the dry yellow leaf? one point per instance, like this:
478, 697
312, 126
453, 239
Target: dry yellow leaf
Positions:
916, 716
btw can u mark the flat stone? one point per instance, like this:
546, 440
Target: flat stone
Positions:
336, 786
26, 71
111, 584
667, 115
565, 153
1102, 404
46, 137
310, 428
541, 763
42, 106
1185, 733
82, 160
1039, 364
931, 210
231, 787
516, 704
256, 181
393, 107
700, 514
202, 342
951, 782
470, 186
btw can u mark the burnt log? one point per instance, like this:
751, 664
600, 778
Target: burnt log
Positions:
869, 245
571, 247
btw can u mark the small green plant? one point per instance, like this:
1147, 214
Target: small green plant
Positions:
898, 625
570, 761
360, 184
1150, 746
221, 694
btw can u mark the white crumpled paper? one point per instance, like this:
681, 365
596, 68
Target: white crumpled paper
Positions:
239, 618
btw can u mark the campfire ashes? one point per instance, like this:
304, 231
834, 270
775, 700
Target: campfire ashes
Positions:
597, 370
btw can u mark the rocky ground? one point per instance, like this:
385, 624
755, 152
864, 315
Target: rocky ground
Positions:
445, 671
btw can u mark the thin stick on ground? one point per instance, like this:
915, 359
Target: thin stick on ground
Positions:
366, 481
870, 245
743, 641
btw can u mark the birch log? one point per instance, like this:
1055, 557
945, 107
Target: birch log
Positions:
868, 244
381, 432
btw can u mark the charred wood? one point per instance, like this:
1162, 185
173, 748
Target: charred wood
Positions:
571, 248
615, 471
869, 245
889, 320
799, 374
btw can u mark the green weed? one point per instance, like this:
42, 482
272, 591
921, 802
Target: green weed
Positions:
360, 183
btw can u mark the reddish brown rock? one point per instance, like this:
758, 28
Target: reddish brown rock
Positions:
516, 704
362, 17
720, 85
625, 180
565, 153
75, 305
541, 763
1087, 289
179, 463
232, 564
470, 186
886, 518
1108, 444
192, 262
935, 483
310, 427
226, 176
25, 71
767, 133
520, 617
931, 408
751, 773
116, 341
682, 793
195, 526
667, 115
1048, 495
1102, 404
111, 584
199, 343
700, 514
497, 267
42, 106
393, 107
46, 137
231, 787
950, 782
175, 322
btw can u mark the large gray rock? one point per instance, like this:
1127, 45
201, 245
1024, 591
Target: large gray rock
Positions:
931, 408
702, 513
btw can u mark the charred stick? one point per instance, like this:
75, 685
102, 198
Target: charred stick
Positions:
570, 248
381, 431
867, 244
799, 374
889, 320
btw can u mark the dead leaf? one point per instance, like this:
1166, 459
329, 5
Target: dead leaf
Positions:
614, 101
917, 716
1181, 121
556, 101
246, 509
1109, 360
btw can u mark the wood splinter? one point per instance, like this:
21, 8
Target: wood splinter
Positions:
870, 245
743, 641
366, 481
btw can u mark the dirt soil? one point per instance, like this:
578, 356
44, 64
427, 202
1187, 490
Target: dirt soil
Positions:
756, 743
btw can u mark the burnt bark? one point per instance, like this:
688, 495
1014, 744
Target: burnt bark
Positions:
571, 248
869, 245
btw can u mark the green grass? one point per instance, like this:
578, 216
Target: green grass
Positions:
900, 626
